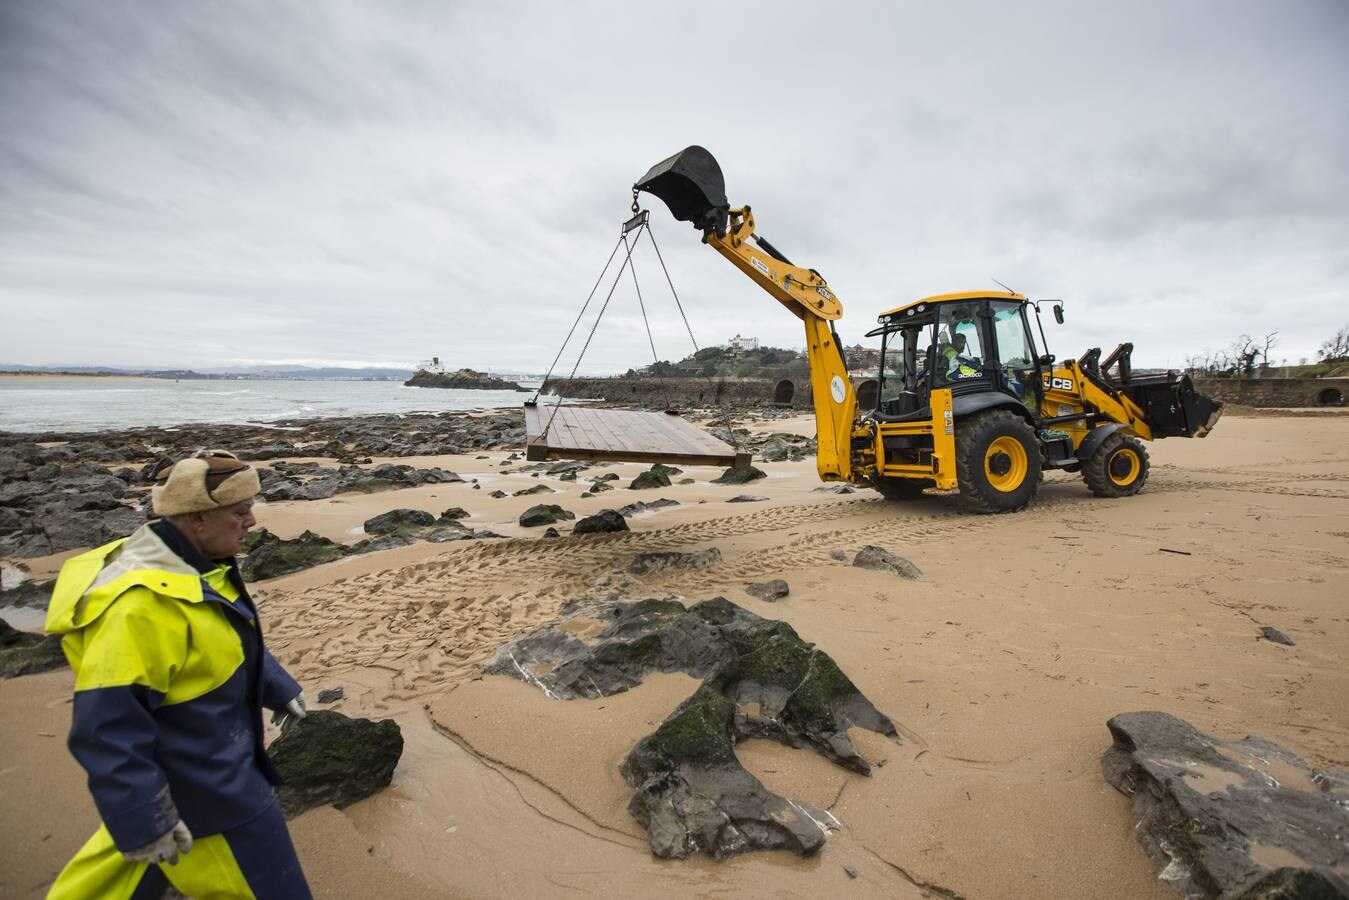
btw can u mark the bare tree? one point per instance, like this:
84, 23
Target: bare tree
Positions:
1337, 348
1264, 350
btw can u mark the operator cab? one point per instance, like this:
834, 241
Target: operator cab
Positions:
973, 343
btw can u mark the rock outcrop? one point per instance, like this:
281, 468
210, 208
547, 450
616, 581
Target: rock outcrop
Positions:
464, 379
761, 680
882, 560
606, 521
327, 757
22, 653
1230, 819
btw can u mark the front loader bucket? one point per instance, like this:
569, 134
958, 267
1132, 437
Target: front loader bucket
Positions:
1172, 407
691, 184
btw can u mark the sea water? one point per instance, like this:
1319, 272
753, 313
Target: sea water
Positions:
31, 404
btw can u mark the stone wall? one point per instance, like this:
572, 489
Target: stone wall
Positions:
1276, 392
650, 393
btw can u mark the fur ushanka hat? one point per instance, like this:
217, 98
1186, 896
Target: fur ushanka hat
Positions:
207, 481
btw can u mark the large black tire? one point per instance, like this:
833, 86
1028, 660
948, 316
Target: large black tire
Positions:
997, 462
901, 489
1118, 468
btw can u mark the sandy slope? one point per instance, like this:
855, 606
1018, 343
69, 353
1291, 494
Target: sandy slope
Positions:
1001, 668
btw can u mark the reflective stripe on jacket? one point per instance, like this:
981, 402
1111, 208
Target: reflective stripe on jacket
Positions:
170, 677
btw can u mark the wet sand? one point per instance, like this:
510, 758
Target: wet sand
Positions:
1001, 668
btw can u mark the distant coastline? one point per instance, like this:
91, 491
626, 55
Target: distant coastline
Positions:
105, 376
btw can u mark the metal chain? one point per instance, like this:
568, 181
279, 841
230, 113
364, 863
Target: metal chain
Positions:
721, 407
636, 286
626, 260
584, 307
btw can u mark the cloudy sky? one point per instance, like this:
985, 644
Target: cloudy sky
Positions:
356, 183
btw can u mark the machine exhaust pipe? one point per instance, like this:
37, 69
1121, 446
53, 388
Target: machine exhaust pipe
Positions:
692, 186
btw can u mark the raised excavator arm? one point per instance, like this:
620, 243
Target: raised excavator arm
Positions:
691, 185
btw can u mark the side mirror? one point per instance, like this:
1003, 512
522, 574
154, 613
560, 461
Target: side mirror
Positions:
1058, 313
1047, 359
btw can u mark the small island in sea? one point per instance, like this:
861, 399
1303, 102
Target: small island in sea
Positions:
432, 374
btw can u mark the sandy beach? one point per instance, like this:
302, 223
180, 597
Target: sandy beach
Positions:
1000, 669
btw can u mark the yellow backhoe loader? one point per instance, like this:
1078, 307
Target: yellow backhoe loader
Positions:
964, 399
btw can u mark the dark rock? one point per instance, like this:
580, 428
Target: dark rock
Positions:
1276, 636
29, 594
1241, 819
270, 556
840, 555
882, 560
747, 498
536, 489
398, 519
331, 695
464, 379
667, 471
498, 494
453, 514
836, 488
607, 476
600, 487
641, 506
646, 563
22, 653
693, 796
544, 514
552, 532
650, 479
380, 542
740, 476
685, 481
762, 681
327, 757
603, 522
768, 591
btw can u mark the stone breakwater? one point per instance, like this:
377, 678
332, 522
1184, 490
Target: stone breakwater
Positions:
685, 393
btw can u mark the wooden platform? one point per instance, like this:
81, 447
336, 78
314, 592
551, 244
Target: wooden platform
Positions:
622, 435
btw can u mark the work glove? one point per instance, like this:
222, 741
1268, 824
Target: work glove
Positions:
165, 848
293, 710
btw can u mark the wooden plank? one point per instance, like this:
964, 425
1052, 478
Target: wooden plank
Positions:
576, 432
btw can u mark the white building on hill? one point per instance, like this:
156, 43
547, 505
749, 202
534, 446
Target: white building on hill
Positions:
740, 344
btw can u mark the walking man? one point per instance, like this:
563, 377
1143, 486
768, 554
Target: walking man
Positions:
171, 676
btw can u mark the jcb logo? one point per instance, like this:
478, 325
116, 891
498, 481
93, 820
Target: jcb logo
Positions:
1059, 384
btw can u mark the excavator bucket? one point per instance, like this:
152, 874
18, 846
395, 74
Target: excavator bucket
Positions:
691, 184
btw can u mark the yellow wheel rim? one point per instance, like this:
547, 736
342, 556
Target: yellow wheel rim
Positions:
1123, 466
1005, 464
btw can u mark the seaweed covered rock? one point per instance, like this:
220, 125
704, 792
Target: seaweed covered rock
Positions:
22, 653
396, 519
327, 757
269, 556
761, 680
693, 796
544, 514
605, 521
1243, 819
650, 479
740, 476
